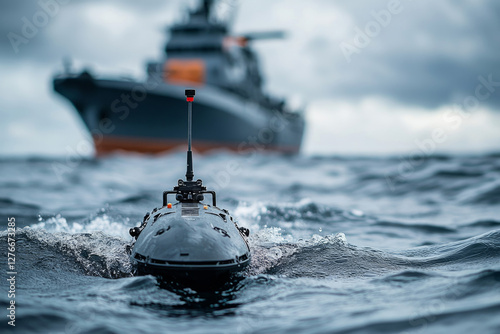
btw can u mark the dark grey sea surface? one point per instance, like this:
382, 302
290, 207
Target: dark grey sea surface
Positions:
339, 245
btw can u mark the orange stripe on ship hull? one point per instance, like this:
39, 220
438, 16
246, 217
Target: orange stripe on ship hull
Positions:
108, 144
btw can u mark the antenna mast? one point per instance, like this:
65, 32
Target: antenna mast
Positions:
190, 98
189, 191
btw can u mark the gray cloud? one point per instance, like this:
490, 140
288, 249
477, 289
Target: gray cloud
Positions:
72, 25
429, 55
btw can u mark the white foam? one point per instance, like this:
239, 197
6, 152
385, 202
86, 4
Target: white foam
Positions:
269, 246
102, 223
97, 253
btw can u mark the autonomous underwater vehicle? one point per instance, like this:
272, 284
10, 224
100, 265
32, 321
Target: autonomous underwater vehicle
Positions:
190, 242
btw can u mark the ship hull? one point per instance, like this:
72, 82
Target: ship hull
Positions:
151, 117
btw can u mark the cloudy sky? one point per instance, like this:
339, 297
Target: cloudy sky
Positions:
377, 77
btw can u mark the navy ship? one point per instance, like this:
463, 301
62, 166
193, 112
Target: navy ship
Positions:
144, 116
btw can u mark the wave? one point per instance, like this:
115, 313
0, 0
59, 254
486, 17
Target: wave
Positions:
483, 223
427, 228
406, 276
136, 198
478, 250
326, 259
457, 173
486, 279
270, 249
94, 254
11, 204
487, 196
441, 319
99, 246
305, 210
99, 222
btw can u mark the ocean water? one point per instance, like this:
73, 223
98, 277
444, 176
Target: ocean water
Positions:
339, 245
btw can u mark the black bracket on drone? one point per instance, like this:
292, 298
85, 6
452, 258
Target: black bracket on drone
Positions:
189, 192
